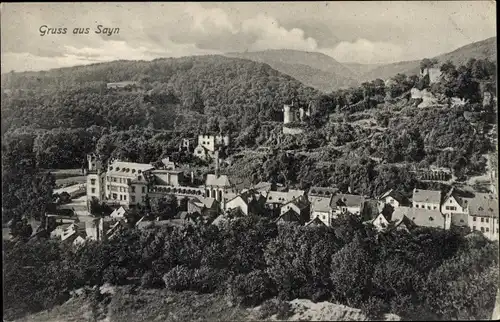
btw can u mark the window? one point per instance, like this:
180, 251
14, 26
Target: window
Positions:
453, 208
487, 230
132, 198
488, 220
451, 201
416, 205
143, 189
114, 179
93, 190
92, 181
108, 188
473, 218
133, 188
431, 219
435, 207
462, 221
124, 197
139, 178
121, 197
429, 207
114, 196
447, 208
474, 228
482, 219
482, 229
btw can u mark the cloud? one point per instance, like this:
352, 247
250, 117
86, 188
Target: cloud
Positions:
270, 35
366, 51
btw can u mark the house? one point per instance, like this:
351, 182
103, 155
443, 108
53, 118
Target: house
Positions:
249, 202
203, 206
118, 213
455, 209
483, 214
320, 208
393, 198
276, 199
404, 224
300, 206
315, 222
380, 222
289, 216
341, 203
426, 199
421, 217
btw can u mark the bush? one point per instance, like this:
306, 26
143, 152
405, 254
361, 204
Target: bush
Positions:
374, 308
207, 280
178, 278
249, 289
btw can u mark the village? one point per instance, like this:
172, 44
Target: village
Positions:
125, 186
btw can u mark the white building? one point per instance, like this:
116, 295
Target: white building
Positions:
426, 199
209, 144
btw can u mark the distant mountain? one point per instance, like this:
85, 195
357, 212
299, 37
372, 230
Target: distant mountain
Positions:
360, 69
311, 68
479, 50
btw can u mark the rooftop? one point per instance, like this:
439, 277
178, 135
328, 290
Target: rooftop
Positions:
283, 196
426, 196
321, 204
483, 205
419, 216
128, 169
221, 181
346, 200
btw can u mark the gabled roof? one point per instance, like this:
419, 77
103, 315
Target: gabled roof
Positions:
219, 220
394, 194
483, 205
301, 202
221, 181
248, 196
419, 216
404, 221
453, 193
263, 186
346, 200
321, 204
289, 216
203, 202
283, 197
119, 212
315, 222
427, 196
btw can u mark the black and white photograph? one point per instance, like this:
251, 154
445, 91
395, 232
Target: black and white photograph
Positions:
249, 161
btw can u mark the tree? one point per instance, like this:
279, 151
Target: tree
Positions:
351, 273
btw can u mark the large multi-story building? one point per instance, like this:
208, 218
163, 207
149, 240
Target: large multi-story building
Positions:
128, 184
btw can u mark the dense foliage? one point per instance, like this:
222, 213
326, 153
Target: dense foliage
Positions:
425, 274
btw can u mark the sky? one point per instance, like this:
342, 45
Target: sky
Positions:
364, 32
